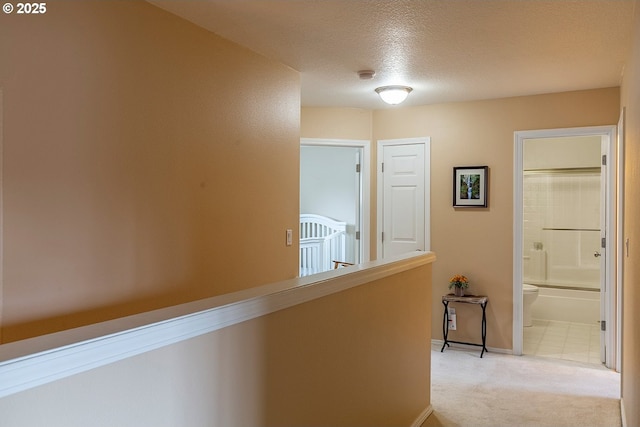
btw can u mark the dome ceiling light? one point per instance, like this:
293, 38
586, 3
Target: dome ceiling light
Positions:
393, 95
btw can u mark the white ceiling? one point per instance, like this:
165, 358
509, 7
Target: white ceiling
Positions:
447, 50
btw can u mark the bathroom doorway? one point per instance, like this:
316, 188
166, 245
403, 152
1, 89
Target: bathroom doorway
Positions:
561, 264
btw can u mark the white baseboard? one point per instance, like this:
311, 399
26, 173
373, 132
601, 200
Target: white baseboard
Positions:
623, 415
422, 417
439, 343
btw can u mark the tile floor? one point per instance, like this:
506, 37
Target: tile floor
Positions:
563, 340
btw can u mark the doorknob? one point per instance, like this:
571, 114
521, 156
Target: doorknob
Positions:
596, 254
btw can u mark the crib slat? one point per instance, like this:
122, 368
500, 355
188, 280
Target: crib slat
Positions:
322, 241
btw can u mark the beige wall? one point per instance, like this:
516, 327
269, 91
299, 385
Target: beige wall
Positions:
336, 123
333, 361
479, 242
144, 165
564, 152
630, 99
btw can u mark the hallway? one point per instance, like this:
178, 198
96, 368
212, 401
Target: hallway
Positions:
505, 390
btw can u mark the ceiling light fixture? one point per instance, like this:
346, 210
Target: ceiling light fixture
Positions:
393, 94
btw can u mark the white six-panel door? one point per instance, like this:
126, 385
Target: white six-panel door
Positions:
403, 196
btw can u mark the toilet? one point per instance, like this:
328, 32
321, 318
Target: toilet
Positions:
529, 295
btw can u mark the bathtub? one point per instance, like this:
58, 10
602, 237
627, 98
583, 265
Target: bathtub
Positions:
566, 305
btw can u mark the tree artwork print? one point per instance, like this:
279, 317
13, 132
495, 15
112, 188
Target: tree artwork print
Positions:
470, 186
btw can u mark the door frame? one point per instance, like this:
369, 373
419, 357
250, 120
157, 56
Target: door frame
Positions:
620, 248
365, 182
1, 212
608, 133
426, 141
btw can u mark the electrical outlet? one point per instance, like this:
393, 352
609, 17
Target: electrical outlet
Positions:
452, 322
452, 318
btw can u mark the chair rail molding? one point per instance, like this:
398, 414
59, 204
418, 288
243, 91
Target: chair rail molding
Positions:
32, 362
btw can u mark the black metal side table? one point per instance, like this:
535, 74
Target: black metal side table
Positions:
467, 299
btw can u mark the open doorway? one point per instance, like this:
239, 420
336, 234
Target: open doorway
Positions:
334, 187
564, 292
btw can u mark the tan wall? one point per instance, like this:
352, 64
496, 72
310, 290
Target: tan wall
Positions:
334, 361
335, 123
144, 165
630, 99
479, 242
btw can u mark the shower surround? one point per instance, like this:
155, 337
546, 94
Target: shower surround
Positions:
562, 241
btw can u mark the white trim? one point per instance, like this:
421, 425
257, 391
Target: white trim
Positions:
609, 302
426, 141
518, 224
422, 417
1, 213
620, 253
36, 361
623, 413
365, 211
609, 133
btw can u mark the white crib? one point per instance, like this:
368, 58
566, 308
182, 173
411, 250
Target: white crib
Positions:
322, 241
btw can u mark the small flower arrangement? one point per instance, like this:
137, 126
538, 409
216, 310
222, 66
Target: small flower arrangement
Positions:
458, 281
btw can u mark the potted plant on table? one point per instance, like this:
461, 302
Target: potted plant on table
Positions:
459, 283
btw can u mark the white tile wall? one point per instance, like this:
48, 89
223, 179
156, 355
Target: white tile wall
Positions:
555, 200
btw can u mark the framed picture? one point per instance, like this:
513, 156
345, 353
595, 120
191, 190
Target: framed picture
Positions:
470, 186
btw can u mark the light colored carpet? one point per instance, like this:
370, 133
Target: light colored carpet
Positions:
504, 390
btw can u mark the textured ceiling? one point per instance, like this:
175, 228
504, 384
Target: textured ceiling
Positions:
447, 50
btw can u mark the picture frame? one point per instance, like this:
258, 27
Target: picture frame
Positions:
470, 186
